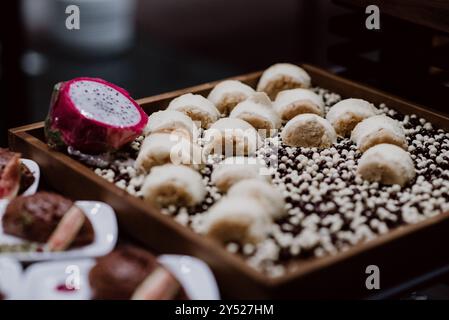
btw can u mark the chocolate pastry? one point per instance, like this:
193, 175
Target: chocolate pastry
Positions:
330, 206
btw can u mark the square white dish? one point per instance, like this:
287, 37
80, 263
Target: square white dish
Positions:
43, 281
104, 223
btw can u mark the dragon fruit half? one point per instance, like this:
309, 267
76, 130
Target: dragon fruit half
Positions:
92, 116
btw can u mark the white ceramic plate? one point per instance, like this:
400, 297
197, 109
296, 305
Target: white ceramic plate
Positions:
47, 280
10, 278
34, 168
104, 222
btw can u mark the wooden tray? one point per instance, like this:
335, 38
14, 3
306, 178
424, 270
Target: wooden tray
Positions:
401, 254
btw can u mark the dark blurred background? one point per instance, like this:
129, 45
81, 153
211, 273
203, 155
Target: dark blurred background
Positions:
154, 46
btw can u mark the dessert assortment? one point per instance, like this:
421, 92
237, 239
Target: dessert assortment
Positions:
277, 173
50, 224
89, 117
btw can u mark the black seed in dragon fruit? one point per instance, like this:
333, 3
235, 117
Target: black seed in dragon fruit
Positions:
92, 116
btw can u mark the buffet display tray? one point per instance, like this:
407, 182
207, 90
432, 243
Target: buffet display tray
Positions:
400, 255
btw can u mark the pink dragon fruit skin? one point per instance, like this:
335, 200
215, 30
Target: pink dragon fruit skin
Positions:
93, 116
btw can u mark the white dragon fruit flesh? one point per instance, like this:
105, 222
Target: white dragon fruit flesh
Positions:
92, 116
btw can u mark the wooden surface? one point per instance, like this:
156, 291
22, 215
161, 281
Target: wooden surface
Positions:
401, 254
429, 13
